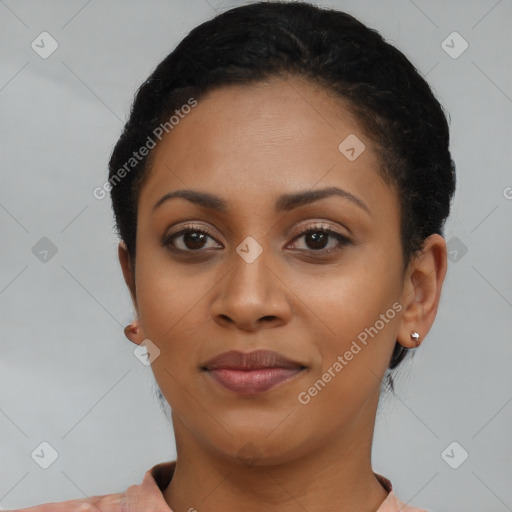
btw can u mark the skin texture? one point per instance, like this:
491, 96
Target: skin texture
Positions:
249, 145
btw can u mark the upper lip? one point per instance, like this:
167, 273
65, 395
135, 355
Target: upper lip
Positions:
258, 359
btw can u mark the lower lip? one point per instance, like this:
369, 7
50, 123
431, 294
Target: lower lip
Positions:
249, 382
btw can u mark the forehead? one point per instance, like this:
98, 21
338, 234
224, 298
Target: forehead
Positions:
263, 139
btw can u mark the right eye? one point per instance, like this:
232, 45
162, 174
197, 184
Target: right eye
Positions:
188, 239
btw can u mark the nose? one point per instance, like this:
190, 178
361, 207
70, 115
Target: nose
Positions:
252, 296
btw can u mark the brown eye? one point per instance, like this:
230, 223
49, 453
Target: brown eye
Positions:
317, 239
189, 240
194, 239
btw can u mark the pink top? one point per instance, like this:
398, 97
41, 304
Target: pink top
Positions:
148, 497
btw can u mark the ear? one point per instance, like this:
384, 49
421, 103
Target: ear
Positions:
132, 331
422, 290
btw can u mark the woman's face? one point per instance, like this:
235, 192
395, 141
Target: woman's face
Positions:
332, 304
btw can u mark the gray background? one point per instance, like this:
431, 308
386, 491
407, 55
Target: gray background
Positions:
67, 374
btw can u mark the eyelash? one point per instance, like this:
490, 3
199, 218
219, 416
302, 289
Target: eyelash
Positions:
342, 240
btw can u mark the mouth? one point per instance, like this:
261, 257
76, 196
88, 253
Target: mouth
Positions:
253, 372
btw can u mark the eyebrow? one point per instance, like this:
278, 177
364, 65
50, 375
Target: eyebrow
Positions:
285, 202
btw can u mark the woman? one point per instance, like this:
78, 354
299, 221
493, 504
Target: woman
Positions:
280, 191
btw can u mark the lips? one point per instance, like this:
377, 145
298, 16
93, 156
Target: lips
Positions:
257, 360
253, 372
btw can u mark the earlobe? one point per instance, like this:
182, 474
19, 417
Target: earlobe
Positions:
134, 332
422, 291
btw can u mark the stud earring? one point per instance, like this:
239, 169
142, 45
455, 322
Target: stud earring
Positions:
416, 337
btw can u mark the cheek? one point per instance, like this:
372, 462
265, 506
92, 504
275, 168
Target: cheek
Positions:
166, 291
161, 318
356, 314
172, 315
351, 298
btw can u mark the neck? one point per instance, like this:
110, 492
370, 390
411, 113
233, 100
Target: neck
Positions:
336, 475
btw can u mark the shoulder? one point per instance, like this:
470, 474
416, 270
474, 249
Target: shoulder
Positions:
146, 496
105, 503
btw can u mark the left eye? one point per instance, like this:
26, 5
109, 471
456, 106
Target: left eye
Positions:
317, 239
